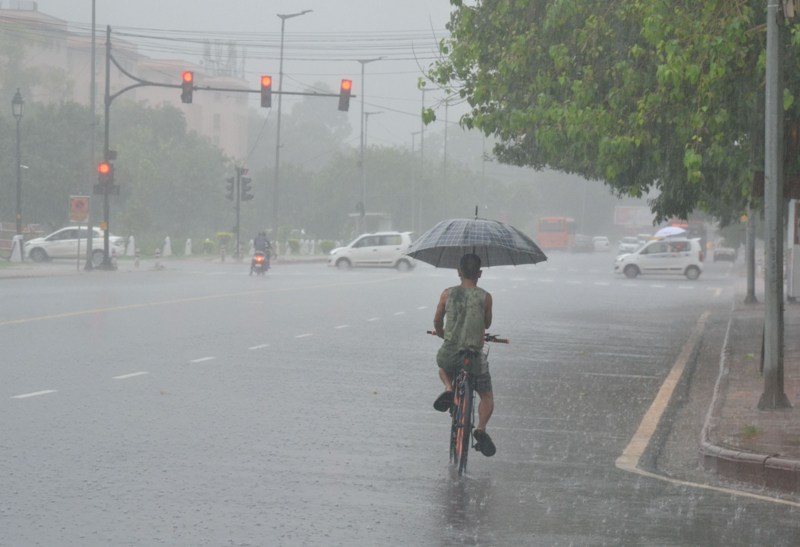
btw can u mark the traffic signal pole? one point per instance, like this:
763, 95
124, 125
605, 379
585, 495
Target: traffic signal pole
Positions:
106, 264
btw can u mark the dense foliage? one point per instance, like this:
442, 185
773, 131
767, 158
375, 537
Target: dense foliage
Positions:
640, 94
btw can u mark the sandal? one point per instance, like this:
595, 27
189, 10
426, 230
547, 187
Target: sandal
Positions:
483, 443
444, 401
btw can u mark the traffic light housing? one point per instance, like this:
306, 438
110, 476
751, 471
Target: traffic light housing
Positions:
344, 95
245, 189
187, 86
266, 91
229, 182
105, 178
105, 173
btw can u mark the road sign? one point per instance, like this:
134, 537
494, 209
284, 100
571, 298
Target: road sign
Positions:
79, 209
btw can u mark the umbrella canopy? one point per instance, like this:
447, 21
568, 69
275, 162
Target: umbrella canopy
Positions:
667, 231
496, 243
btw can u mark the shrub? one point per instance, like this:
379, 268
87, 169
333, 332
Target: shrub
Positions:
326, 246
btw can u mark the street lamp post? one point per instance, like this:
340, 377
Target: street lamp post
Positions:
363, 138
365, 117
276, 179
16, 108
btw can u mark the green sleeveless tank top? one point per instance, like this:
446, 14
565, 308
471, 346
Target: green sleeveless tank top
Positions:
464, 324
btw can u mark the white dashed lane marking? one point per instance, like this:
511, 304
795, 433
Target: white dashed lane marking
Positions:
260, 346
34, 394
201, 360
131, 375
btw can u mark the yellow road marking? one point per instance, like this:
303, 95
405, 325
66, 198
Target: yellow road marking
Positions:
629, 460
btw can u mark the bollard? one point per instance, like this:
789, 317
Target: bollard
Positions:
167, 247
131, 250
17, 249
188, 249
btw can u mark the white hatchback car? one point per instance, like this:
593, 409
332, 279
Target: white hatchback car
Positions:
628, 244
381, 249
601, 244
64, 243
679, 256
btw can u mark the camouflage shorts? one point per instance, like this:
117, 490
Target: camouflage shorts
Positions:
450, 358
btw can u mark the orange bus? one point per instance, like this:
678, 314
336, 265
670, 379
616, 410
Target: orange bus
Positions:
555, 233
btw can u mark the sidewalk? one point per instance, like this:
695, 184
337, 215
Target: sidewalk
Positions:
70, 267
740, 442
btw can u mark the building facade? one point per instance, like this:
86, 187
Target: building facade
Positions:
51, 47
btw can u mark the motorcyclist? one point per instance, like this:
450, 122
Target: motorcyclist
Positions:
261, 243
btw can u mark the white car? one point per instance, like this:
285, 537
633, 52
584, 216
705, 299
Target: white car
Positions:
628, 244
678, 256
64, 243
381, 249
601, 244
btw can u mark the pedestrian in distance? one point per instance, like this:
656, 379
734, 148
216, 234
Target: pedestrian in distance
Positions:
463, 314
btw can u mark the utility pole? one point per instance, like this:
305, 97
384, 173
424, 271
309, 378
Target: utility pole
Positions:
773, 396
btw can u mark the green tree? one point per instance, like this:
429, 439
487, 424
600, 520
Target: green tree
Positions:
639, 94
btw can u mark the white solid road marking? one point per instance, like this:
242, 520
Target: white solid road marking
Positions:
260, 346
201, 359
34, 394
131, 375
629, 460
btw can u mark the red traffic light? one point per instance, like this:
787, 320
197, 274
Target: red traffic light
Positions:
266, 91
104, 168
187, 86
344, 95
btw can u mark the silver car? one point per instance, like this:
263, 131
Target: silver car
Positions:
381, 249
69, 242
677, 256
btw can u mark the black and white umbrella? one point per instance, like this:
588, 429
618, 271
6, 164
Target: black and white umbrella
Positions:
497, 244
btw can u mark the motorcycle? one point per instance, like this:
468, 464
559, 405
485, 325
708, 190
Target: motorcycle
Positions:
260, 263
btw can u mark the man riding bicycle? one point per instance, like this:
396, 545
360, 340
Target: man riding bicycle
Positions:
468, 312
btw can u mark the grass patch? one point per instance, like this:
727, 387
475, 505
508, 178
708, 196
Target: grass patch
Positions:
749, 432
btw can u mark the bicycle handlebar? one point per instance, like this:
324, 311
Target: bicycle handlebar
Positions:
487, 337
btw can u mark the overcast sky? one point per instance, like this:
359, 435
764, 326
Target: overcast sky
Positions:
319, 46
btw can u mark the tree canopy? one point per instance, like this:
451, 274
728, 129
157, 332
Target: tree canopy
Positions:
640, 94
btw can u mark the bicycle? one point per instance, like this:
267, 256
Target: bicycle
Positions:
463, 410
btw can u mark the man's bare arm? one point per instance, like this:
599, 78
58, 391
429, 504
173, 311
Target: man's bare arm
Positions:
487, 311
438, 318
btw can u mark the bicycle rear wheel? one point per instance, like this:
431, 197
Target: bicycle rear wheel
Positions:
461, 430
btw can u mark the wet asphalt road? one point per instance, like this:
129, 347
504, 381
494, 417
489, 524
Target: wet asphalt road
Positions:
200, 406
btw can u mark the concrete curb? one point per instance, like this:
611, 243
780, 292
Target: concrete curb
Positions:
760, 470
